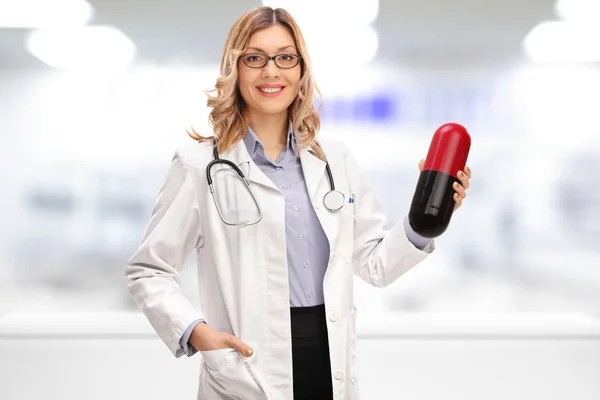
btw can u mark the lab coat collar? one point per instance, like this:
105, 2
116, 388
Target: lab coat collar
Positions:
240, 154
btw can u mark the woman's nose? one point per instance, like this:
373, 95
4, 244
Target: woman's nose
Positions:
271, 70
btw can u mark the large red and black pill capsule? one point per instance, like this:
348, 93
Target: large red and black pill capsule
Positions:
433, 201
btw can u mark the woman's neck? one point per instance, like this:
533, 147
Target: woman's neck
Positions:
271, 129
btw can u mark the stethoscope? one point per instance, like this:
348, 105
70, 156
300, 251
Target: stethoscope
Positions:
333, 200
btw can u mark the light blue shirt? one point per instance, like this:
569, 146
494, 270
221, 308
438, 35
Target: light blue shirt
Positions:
307, 244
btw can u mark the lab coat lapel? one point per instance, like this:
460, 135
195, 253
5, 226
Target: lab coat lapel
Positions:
317, 185
314, 172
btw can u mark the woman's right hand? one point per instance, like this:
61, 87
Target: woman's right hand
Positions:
205, 338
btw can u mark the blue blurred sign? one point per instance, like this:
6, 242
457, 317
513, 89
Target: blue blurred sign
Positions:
375, 108
422, 106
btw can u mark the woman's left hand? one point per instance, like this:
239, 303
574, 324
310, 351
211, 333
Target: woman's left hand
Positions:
460, 188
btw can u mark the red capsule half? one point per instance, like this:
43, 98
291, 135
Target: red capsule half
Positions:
433, 202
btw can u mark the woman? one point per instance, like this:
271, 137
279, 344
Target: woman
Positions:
278, 318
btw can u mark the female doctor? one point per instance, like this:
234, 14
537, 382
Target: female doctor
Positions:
276, 253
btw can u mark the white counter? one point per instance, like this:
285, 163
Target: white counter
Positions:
371, 326
401, 356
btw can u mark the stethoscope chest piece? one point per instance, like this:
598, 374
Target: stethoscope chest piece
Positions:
334, 200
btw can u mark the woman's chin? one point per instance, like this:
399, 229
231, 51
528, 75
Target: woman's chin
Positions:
272, 109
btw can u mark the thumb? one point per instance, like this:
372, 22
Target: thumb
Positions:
236, 343
421, 165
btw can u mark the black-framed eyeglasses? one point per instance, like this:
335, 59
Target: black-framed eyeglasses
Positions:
283, 61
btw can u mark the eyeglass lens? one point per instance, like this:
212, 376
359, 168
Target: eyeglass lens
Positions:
281, 60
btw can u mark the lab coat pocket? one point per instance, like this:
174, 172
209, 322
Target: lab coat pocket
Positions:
347, 226
349, 206
232, 375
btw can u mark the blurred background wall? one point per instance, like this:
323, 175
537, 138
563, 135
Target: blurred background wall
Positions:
95, 97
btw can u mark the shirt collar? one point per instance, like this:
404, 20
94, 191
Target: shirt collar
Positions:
253, 143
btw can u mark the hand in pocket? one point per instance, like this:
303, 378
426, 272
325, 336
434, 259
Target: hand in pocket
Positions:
205, 338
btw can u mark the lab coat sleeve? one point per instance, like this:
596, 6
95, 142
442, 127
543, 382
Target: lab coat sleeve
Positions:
380, 255
152, 273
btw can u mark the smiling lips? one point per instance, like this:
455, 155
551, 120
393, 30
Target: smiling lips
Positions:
270, 90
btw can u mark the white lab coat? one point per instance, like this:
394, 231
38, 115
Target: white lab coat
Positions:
243, 272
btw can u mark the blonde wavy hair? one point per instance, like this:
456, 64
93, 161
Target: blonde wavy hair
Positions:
227, 117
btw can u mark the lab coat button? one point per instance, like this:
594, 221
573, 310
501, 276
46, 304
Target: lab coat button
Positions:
338, 375
333, 317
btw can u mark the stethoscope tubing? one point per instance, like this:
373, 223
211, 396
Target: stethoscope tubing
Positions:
218, 160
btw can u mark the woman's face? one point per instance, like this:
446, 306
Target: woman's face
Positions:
269, 90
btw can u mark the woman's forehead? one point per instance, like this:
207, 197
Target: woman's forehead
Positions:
273, 38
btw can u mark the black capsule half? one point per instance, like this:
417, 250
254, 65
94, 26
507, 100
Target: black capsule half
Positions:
433, 202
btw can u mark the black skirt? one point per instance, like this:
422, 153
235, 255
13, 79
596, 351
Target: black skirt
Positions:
310, 354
